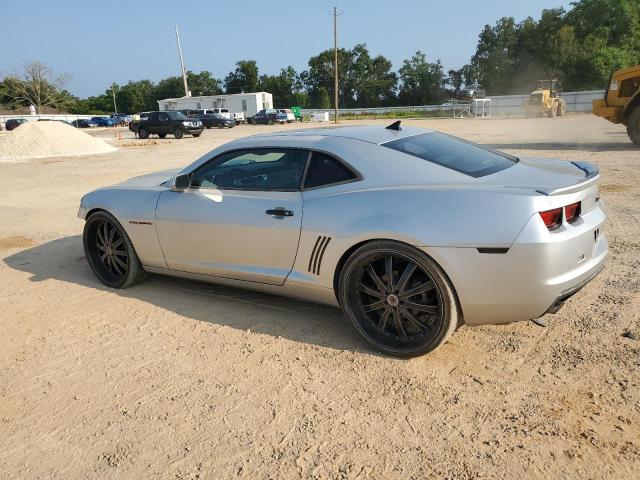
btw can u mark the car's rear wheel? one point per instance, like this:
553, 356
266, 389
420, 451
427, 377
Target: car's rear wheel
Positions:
110, 252
398, 298
143, 132
177, 133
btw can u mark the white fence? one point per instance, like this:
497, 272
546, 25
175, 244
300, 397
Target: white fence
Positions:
35, 118
500, 105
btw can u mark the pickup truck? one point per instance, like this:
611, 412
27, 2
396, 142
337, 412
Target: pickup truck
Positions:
267, 117
163, 123
238, 117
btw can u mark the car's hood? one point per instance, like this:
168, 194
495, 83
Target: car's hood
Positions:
542, 174
150, 180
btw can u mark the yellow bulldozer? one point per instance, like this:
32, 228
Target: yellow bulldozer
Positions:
621, 102
545, 100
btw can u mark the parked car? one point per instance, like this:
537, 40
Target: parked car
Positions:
121, 118
13, 123
105, 121
237, 116
266, 117
411, 232
53, 120
285, 115
83, 123
216, 120
163, 123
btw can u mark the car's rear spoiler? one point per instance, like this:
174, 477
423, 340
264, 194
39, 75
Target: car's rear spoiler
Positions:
592, 176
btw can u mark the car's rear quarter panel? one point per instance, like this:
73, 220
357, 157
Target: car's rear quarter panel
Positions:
135, 210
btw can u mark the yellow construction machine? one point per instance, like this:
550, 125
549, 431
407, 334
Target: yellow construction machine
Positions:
545, 100
621, 102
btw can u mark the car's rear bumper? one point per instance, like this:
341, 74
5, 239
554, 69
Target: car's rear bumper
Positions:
536, 275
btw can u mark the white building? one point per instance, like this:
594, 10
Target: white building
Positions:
248, 103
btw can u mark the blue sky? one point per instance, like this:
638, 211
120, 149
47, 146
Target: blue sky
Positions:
96, 43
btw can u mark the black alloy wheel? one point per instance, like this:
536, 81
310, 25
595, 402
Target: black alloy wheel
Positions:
110, 252
398, 299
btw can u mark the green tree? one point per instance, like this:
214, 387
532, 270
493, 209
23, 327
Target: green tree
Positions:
203, 83
421, 82
244, 78
287, 88
362, 80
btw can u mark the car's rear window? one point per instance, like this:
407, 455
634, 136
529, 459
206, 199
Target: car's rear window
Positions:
454, 153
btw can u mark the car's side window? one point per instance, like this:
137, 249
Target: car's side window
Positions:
254, 169
163, 117
326, 170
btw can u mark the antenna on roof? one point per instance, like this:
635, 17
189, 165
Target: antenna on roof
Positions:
395, 126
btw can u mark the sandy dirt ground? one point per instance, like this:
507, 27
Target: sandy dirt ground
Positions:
177, 379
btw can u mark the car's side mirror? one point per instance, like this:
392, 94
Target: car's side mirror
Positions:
181, 182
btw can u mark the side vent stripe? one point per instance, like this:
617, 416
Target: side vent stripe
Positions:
322, 254
317, 253
313, 253
315, 260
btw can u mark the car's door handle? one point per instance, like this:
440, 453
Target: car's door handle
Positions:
280, 212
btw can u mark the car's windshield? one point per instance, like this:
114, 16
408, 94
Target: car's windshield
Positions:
177, 116
454, 153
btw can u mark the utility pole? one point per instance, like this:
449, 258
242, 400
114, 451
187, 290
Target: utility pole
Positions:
184, 71
335, 62
113, 92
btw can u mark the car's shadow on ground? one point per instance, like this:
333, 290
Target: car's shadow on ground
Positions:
63, 259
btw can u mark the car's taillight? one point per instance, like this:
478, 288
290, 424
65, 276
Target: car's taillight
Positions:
552, 218
572, 212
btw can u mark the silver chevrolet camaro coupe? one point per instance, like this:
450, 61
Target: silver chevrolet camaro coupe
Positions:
410, 232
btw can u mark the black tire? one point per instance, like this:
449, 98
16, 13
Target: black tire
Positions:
633, 126
269, 122
221, 125
208, 126
411, 314
110, 252
143, 132
554, 110
177, 133
196, 135
162, 135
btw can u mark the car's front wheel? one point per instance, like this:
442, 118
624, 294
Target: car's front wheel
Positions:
110, 252
398, 298
177, 133
143, 132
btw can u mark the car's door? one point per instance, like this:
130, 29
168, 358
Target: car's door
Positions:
240, 219
164, 123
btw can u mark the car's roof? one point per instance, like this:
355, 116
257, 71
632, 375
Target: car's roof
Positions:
372, 134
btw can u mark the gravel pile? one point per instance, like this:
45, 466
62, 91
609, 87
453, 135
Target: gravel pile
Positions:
48, 139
